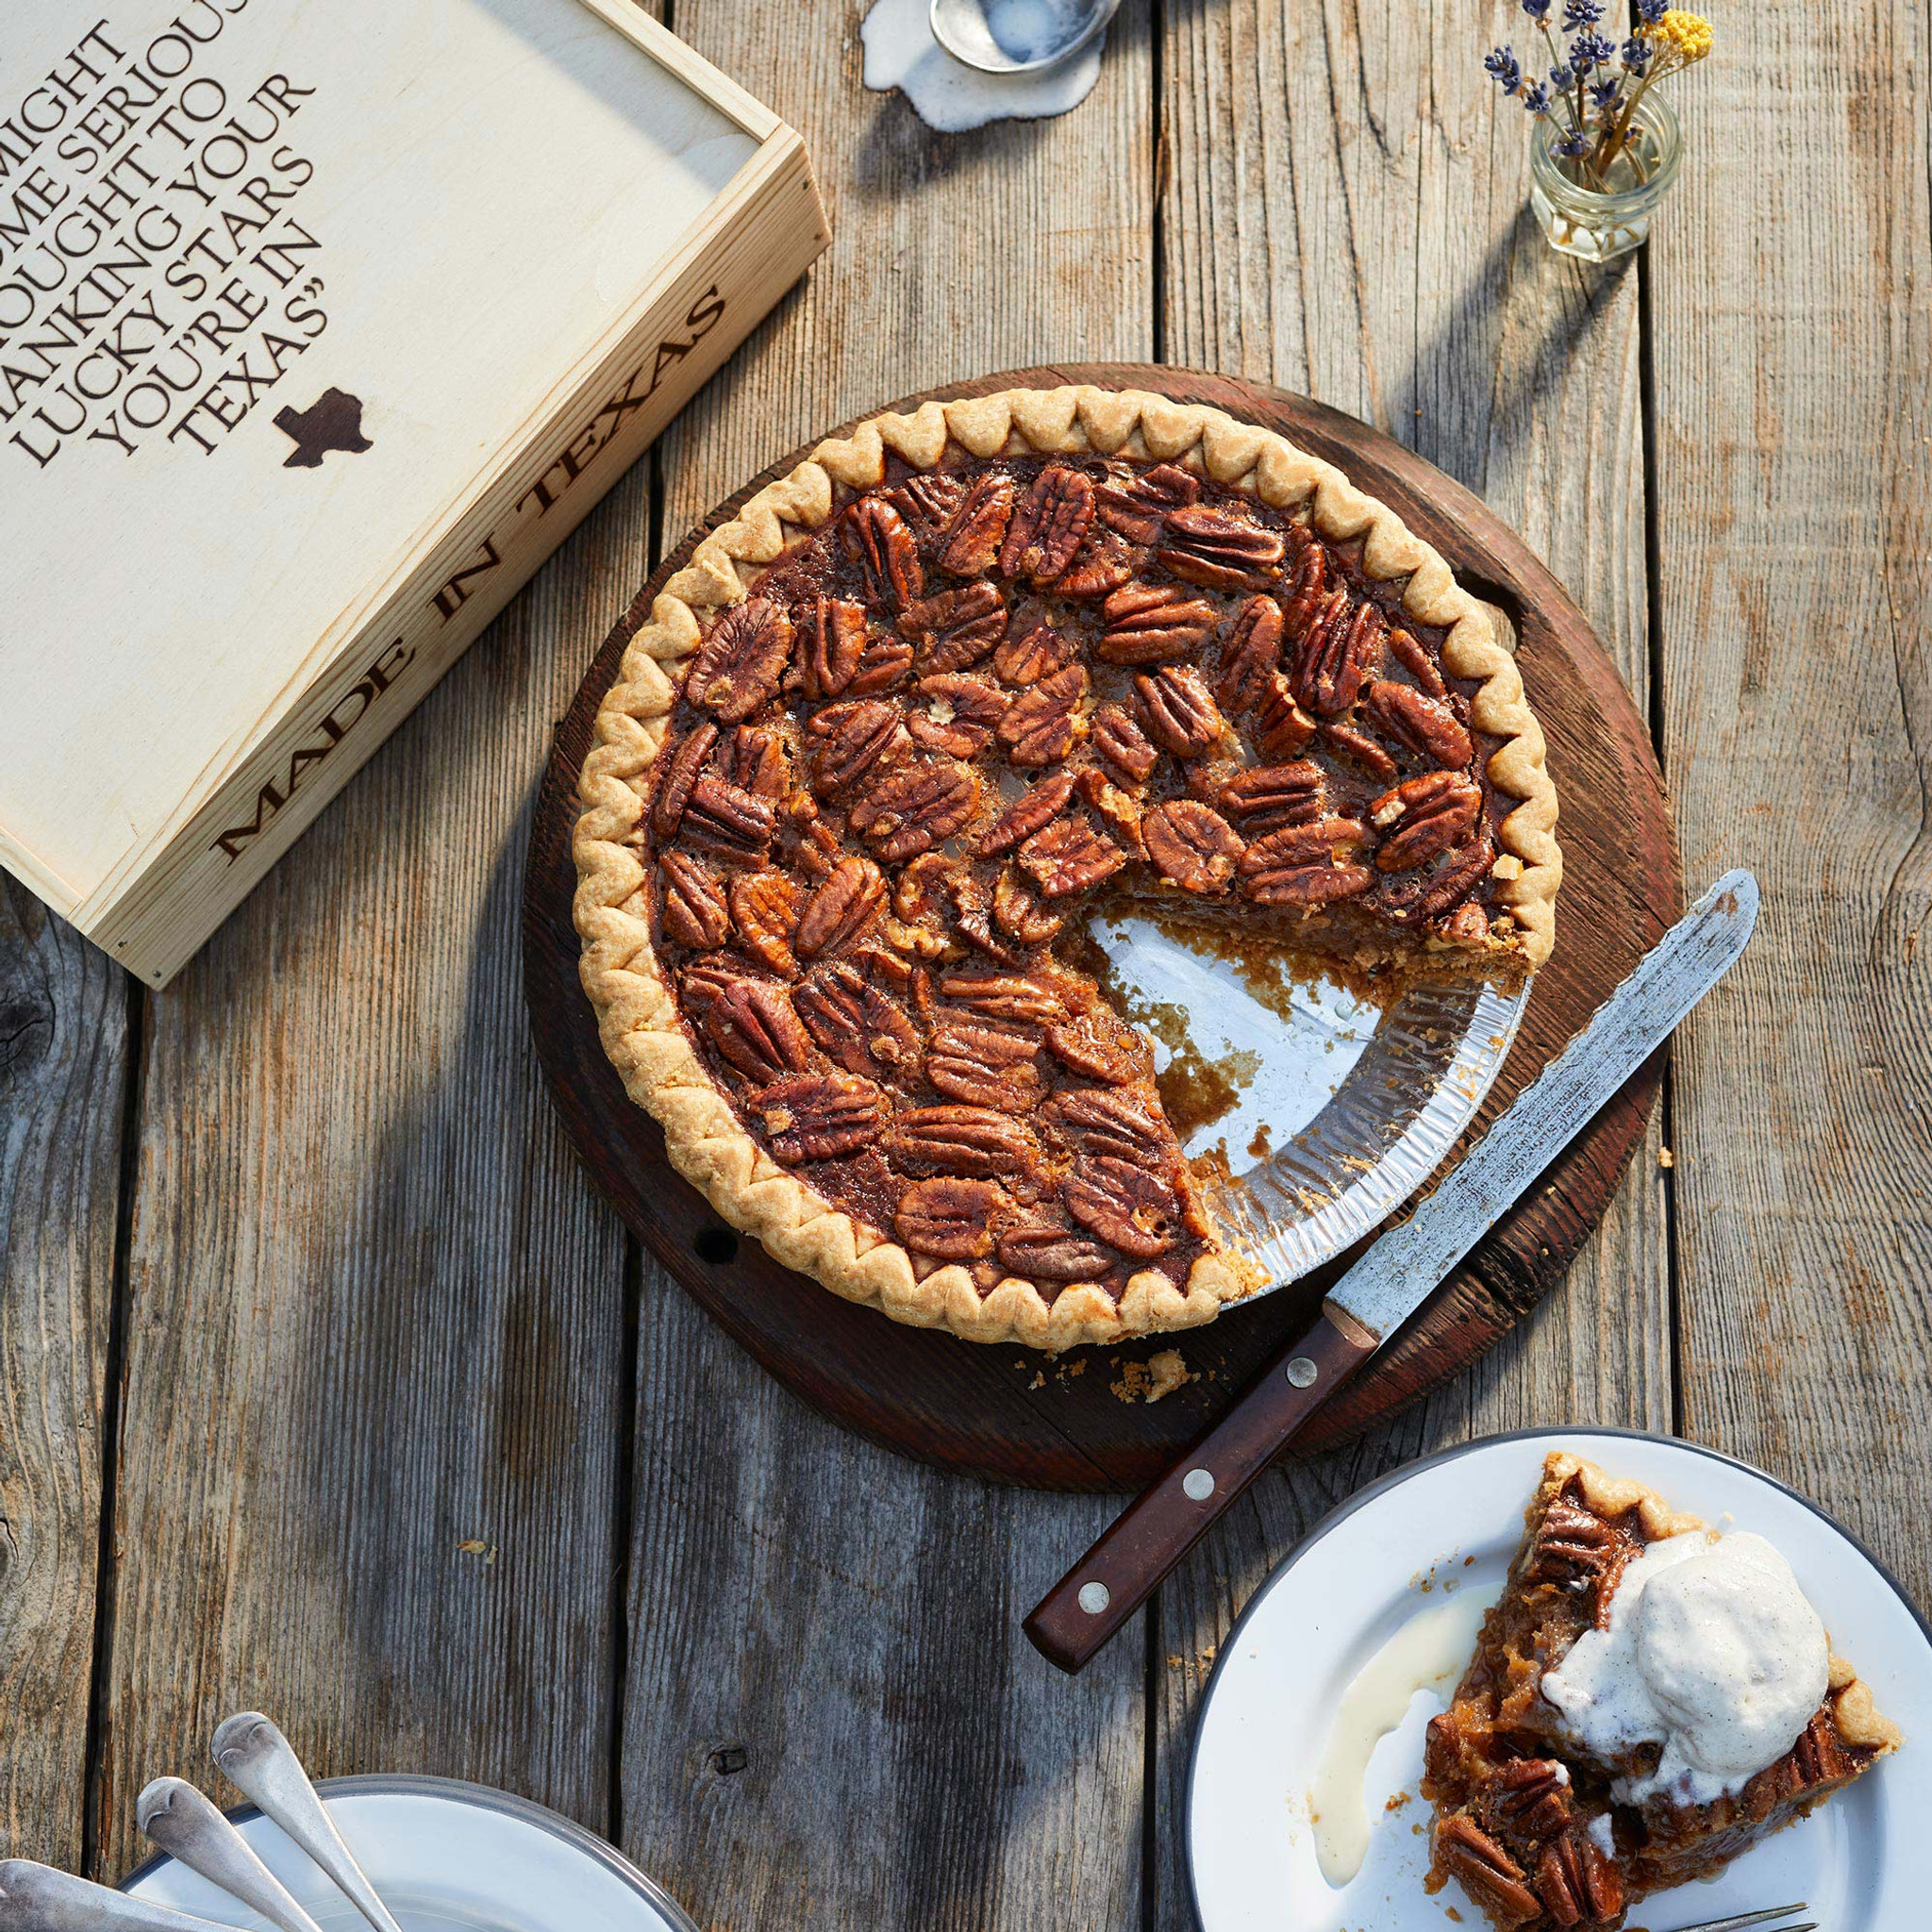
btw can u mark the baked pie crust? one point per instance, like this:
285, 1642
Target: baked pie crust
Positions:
1524, 1822
1207, 531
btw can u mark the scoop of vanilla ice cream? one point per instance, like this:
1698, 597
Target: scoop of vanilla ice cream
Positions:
1710, 1651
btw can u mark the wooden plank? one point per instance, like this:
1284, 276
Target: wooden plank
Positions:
370, 1475
63, 1041
1795, 446
846, 1621
1346, 213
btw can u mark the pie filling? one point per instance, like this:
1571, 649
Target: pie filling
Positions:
1647, 1701
977, 705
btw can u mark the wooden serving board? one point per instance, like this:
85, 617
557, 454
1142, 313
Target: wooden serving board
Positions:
1009, 1415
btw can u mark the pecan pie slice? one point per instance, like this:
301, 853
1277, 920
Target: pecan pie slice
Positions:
959, 681
1647, 1701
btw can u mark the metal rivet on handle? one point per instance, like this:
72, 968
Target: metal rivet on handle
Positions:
1094, 1597
1197, 1485
1302, 1372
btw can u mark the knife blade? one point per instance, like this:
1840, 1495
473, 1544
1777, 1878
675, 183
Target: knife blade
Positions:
1394, 1277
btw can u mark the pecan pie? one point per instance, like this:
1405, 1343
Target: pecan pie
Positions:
1616, 1735
961, 677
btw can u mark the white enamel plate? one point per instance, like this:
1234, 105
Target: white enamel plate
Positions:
444, 1857
1450, 1524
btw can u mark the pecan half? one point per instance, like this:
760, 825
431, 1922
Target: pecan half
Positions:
1215, 547
884, 664
1137, 505
1281, 728
1416, 657
1130, 755
1101, 1045
1250, 655
1414, 898
1041, 725
1192, 844
753, 759
1577, 1884
1070, 856
971, 545
834, 642
1018, 913
877, 537
975, 1141
1532, 1795
1115, 809
1299, 865
817, 1116
854, 742
960, 713
948, 1218
751, 1024
1178, 711
857, 1024
1307, 586
1572, 1545
1005, 996
1820, 1756
1038, 806
738, 667
1106, 1120
844, 904
928, 500
973, 906
985, 1067
694, 912
676, 774
1128, 1208
1358, 748
914, 808
1267, 797
1423, 818
721, 819
1045, 1252
1024, 660
764, 909
1048, 525
1153, 624
1100, 568
956, 627
1427, 726
1335, 654
1490, 1876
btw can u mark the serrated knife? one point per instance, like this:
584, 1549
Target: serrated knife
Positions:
1394, 1277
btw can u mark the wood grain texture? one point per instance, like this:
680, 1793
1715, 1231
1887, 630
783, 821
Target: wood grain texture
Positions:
370, 1461
1795, 409
847, 1620
1346, 213
63, 1042
988, 1411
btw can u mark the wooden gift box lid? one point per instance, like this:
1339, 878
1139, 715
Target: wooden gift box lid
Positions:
322, 324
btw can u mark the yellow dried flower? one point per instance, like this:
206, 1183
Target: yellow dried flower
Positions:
1681, 37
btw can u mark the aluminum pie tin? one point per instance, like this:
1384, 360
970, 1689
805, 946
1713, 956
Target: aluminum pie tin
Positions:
1333, 1111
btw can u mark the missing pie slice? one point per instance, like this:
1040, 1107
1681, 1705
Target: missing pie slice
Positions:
1647, 1701
959, 680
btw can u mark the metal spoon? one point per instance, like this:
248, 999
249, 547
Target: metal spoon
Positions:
36, 1898
960, 27
262, 1762
187, 1825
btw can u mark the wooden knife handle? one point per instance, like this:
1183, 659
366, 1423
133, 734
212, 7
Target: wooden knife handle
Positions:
1116, 1576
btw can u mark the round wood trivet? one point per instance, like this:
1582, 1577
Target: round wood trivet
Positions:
1006, 1414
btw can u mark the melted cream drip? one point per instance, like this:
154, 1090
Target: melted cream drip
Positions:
1712, 1652
951, 97
1428, 1653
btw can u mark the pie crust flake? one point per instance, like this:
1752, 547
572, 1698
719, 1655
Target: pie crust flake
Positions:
1528, 1823
959, 676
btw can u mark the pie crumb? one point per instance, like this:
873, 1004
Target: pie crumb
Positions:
1159, 1375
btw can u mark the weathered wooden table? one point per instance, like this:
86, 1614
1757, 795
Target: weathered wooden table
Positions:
328, 1385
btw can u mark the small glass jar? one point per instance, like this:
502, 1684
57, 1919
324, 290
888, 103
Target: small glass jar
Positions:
1599, 223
